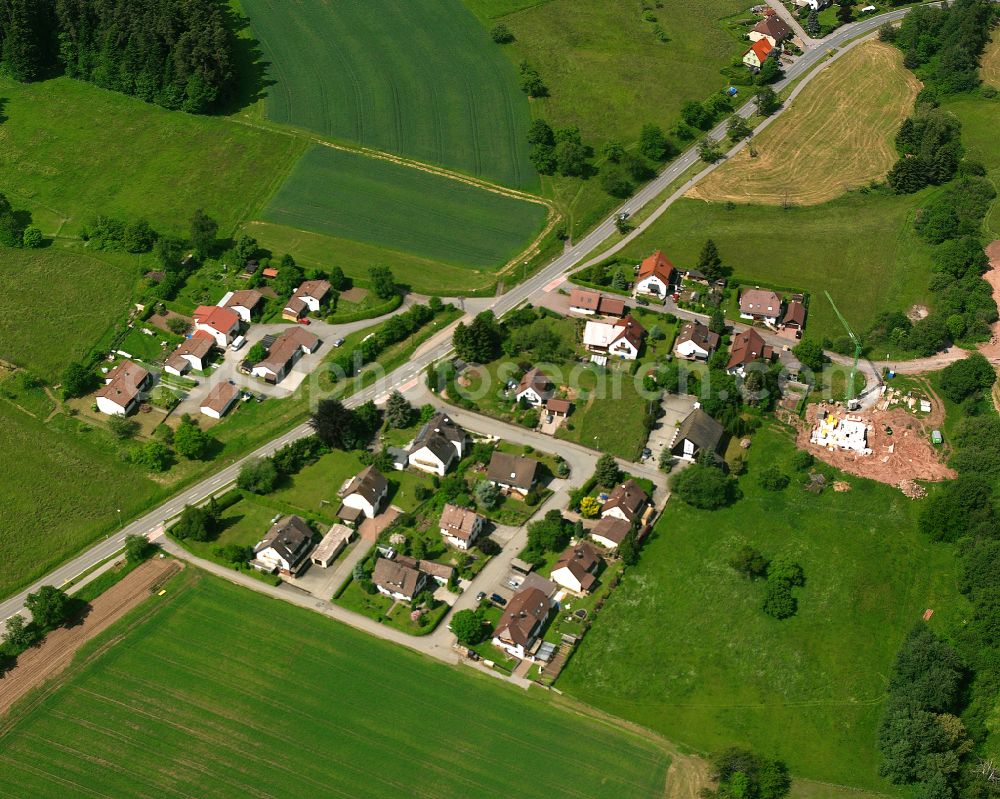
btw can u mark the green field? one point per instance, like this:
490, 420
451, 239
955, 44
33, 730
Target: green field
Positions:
978, 118
378, 202
683, 647
70, 151
861, 248
225, 693
421, 79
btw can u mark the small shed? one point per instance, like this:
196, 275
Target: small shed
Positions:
333, 544
936, 437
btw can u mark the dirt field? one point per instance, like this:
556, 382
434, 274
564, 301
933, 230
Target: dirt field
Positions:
990, 64
54, 654
837, 135
905, 454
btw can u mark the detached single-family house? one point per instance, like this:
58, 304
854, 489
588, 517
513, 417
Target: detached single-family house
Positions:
333, 543
307, 298
625, 502
535, 387
746, 348
365, 492
122, 389
655, 275
522, 622
397, 580
438, 445
795, 316
761, 305
619, 340
558, 408
695, 342
438, 572
285, 547
283, 354
576, 569
512, 473
772, 29
755, 57
219, 400
610, 531
245, 302
698, 433
461, 527
583, 301
223, 324
190, 354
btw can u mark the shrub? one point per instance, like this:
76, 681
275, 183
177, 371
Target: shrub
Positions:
501, 34
704, 487
750, 562
772, 479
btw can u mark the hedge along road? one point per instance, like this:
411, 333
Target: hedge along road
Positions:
152, 522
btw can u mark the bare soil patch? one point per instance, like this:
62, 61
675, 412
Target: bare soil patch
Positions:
355, 295
54, 654
991, 348
160, 320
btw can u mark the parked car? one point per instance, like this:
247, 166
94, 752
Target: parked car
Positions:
497, 599
238, 342
641, 301
480, 596
338, 343
304, 320
647, 453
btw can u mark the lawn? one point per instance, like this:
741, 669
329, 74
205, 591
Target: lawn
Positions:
401, 209
683, 647
60, 158
421, 79
44, 329
611, 420
860, 247
354, 716
837, 135
60, 488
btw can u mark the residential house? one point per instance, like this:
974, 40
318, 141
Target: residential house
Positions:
461, 527
223, 324
365, 492
285, 547
583, 301
283, 353
219, 400
772, 29
695, 342
814, 5
622, 340
655, 276
333, 543
747, 347
439, 572
533, 579
696, 276
698, 433
610, 531
795, 316
512, 473
245, 302
397, 580
761, 305
627, 502
558, 408
535, 387
755, 57
190, 354
577, 567
522, 622
122, 389
307, 298
438, 445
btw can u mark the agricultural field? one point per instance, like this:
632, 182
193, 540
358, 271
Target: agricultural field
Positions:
55, 305
421, 79
860, 247
683, 647
990, 64
199, 675
62, 160
837, 135
401, 209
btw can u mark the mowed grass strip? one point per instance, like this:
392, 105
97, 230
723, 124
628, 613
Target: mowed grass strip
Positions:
379, 202
70, 151
54, 305
225, 693
683, 647
421, 79
838, 134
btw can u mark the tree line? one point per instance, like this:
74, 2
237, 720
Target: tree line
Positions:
175, 53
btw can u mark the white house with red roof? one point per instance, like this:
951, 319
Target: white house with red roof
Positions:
655, 275
621, 339
223, 324
244, 302
190, 354
755, 57
122, 389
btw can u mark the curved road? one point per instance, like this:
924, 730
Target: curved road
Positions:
151, 523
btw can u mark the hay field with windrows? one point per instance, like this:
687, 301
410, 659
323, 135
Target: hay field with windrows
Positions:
989, 69
222, 692
400, 208
421, 79
837, 135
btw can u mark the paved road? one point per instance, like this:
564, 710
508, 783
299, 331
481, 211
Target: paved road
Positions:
570, 258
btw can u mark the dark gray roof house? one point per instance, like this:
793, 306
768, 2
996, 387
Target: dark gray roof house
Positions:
698, 433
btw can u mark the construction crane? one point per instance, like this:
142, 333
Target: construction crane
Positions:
852, 403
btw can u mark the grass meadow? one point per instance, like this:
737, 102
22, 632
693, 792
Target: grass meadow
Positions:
979, 121
398, 208
222, 692
70, 151
683, 647
421, 79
